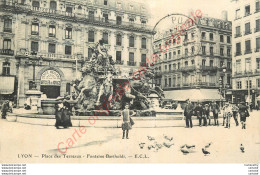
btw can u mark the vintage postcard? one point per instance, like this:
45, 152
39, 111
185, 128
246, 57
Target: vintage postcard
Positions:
113, 81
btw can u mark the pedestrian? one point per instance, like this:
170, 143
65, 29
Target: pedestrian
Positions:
5, 108
235, 111
215, 110
206, 113
227, 113
199, 111
188, 112
62, 114
243, 112
126, 121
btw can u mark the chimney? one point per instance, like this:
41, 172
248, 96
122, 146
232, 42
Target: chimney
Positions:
224, 15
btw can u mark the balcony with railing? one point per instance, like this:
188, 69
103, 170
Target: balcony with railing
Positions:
238, 35
119, 62
238, 53
209, 68
131, 63
257, 49
247, 32
257, 10
257, 29
188, 68
6, 52
8, 29
143, 64
248, 51
38, 11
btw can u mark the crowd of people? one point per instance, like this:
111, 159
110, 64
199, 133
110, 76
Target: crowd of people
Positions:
207, 111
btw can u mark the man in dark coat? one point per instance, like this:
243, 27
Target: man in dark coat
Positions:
215, 110
199, 111
243, 112
188, 112
235, 111
5, 108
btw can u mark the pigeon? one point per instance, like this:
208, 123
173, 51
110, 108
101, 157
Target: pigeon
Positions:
183, 146
208, 145
141, 145
167, 145
150, 138
190, 146
205, 152
167, 138
185, 151
242, 148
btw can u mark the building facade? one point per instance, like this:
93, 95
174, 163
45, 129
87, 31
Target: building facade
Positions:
46, 42
246, 51
199, 59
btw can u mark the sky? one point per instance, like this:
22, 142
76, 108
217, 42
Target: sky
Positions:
160, 8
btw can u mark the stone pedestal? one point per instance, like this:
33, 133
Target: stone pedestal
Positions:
32, 98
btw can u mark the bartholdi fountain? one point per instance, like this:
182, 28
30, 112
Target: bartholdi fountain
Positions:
100, 90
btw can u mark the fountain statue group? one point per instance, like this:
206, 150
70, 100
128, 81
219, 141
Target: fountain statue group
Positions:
97, 87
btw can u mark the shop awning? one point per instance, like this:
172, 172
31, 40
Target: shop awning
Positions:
6, 85
194, 95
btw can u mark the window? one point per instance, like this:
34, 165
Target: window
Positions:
258, 63
211, 62
52, 31
257, 6
229, 65
258, 82
118, 40
170, 55
118, 20
131, 20
192, 62
6, 68
203, 35
179, 52
186, 52
211, 50
143, 59
211, 36
179, 65
222, 51
143, 22
221, 38
7, 44
228, 39
90, 51
248, 65
91, 15
257, 25
143, 43
165, 56
68, 33
34, 46
118, 56
186, 63
105, 2
165, 67
203, 63
91, 36
35, 28
192, 49
204, 50
165, 82
69, 9
131, 41
238, 66
248, 46
238, 32
131, 59
250, 84
239, 85
170, 82
238, 49
52, 48
247, 28
221, 63
68, 50
247, 10
53, 5
170, 67
36, 5
258, 43
228, 52
237, 13
105, 37
105, 16
8, 25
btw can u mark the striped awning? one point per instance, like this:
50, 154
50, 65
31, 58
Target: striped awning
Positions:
6, 85
194, 95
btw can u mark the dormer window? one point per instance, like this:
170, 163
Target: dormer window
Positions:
131, 20
69, 9
105, 2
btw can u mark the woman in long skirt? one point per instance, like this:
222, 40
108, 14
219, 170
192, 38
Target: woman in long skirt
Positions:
58, 115
66, 115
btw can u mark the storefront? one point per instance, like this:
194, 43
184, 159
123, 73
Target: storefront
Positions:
50, 83
7, 88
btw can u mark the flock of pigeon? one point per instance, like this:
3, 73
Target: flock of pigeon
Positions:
185, 149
